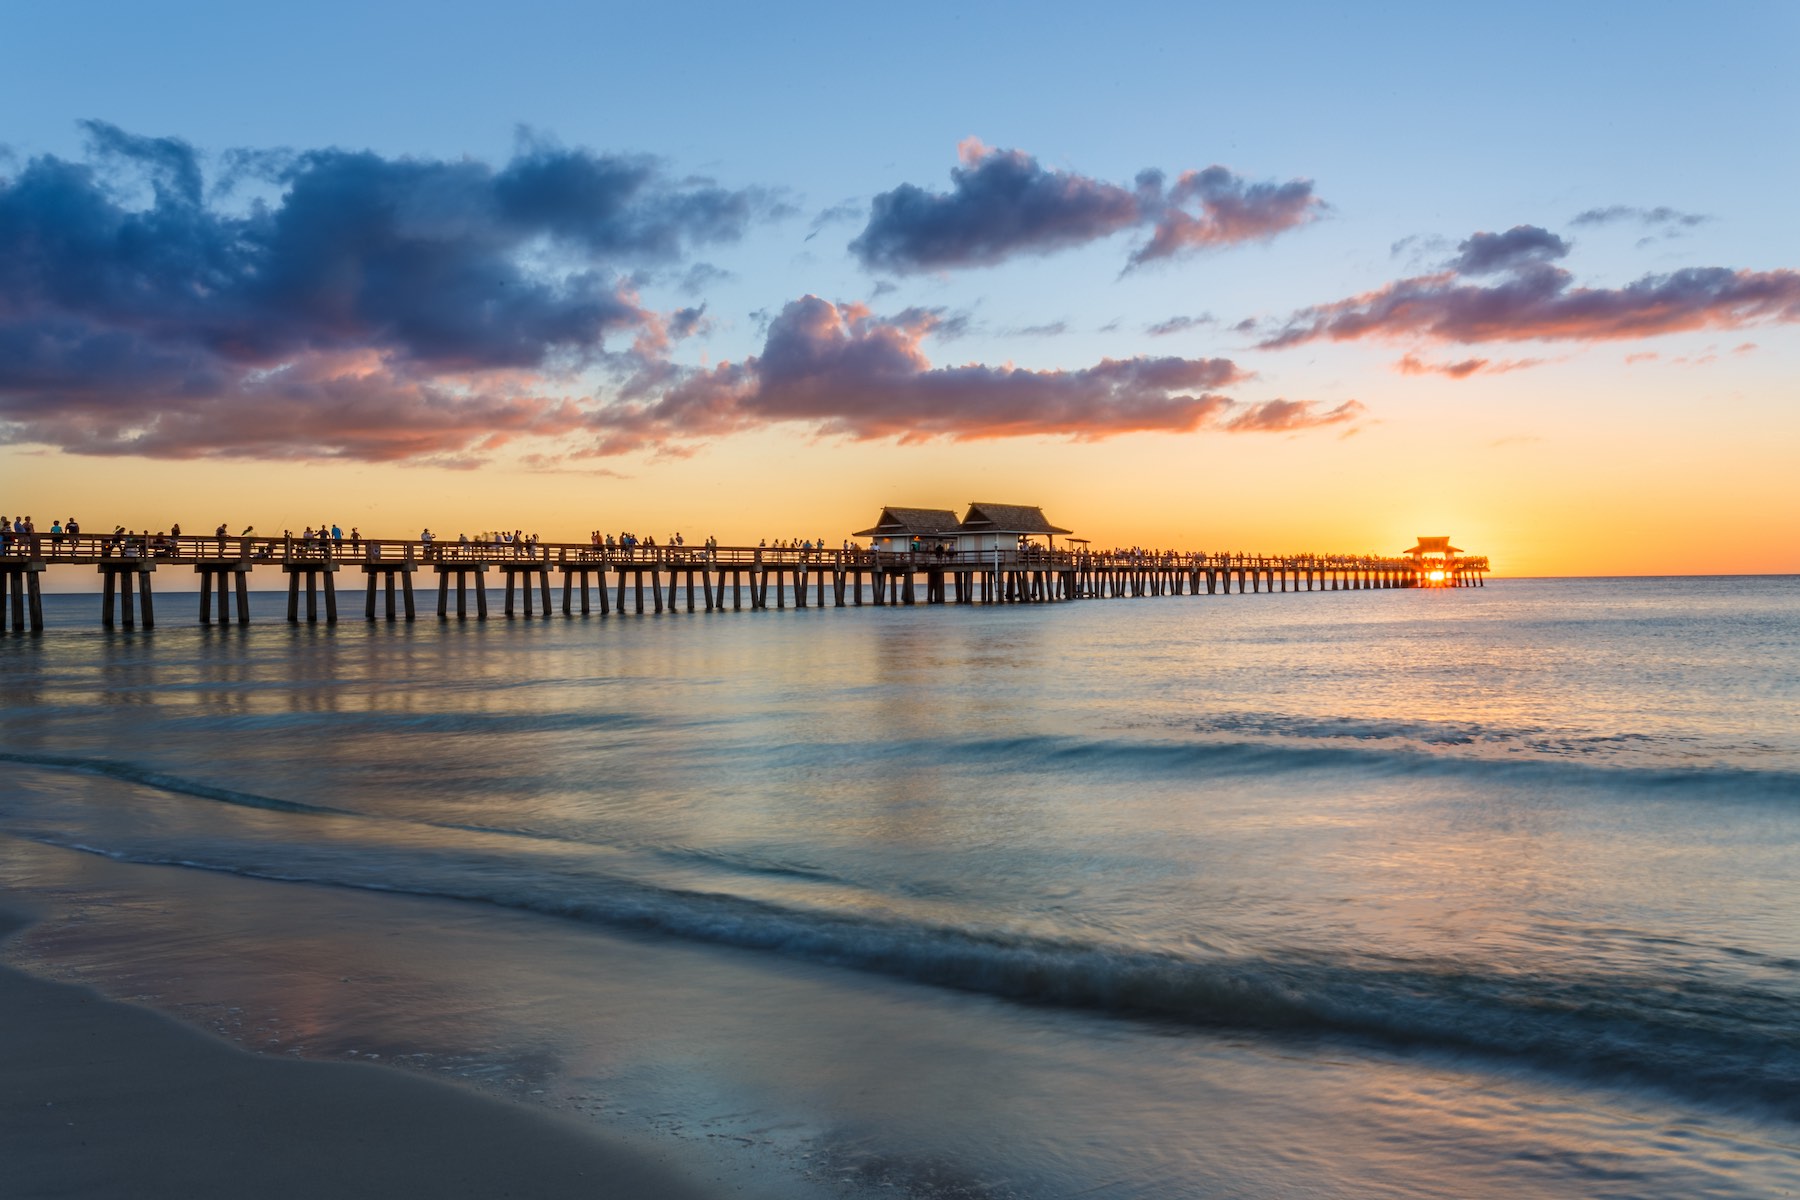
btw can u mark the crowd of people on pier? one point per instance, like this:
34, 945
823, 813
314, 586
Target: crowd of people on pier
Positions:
489, 543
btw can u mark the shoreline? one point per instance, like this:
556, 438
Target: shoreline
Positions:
100, 1098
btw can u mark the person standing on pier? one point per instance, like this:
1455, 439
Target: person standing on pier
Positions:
219, 537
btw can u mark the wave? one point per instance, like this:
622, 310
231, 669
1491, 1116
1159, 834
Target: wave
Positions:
165, 782
1733, 1046
1213, 758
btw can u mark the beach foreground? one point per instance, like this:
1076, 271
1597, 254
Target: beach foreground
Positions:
99, 1098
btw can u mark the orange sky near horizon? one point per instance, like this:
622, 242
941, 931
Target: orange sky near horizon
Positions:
1597, 498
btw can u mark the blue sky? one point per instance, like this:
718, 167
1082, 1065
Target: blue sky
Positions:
1417, 127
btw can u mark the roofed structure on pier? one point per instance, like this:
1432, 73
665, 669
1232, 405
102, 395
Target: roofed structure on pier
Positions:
1432, 545
897, 527
1003, 526
984, 527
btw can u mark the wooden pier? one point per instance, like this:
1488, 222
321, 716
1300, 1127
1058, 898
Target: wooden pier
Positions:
666, 578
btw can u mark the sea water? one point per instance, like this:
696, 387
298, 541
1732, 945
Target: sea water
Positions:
1465, 892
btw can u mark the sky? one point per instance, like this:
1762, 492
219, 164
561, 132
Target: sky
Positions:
1298, 278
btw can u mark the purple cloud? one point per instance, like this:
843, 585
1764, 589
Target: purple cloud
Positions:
1003, 204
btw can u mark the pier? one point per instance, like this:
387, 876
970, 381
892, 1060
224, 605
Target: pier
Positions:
605, 581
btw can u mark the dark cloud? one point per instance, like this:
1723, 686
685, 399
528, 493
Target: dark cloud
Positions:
1659, 216
1489, 253
1003, 203
685, 322
1533, 299
618, 205
138, 315
843, 371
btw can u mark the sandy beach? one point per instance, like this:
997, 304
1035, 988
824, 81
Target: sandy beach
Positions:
103, 1099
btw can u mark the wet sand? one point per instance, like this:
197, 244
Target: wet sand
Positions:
103, 1099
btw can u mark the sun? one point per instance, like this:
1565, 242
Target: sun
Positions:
1438, 576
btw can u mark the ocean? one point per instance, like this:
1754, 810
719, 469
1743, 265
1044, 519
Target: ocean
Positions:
1474, 892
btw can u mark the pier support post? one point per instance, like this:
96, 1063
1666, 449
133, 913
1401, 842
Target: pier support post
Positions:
120, 577
216, 578
19, 586
314, 571
404, 569
462, 569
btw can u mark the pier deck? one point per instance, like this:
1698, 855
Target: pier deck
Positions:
606, 581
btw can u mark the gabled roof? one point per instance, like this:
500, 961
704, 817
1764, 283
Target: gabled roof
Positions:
1432, 545
1007, 518
911, 522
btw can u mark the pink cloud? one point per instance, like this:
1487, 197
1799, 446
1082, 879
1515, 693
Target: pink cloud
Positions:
1288, 416
317, 408
1227, 210
1532, 299
846, 372
1412, 364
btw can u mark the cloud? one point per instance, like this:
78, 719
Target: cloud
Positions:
325, 407
1230, 211
1049, 329
1660, 216
702, 275
371, 308
1530, 298
1003, 204
1412, 364
844, 211
1179, 325
842, 371
686, 322
1290, 416
1520, 246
